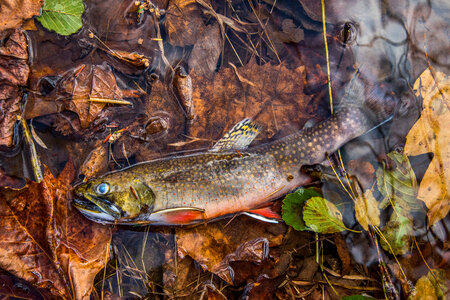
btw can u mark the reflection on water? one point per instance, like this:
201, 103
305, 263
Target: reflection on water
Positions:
265, 60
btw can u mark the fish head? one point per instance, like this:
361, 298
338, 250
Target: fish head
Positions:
113, 199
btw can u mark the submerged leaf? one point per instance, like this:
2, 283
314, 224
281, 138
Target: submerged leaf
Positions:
398, 184
322, 216
62, 16
293, 207
397, 233
428, 288
366, 209
431, 134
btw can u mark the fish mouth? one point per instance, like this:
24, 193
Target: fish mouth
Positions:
98, 209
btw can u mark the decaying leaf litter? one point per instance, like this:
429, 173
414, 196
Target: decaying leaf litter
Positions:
110, 95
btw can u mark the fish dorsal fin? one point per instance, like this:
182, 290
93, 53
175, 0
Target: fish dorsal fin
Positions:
239, 137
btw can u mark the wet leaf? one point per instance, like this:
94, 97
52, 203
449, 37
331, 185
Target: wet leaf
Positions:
397, 183
272, 100
46, 241
322, 216
62, 16
74, 91
428, 288
184, 22
214, 246
397, 232
293, 207
206, 51
431, 134
14, 72
366, 209
14, 12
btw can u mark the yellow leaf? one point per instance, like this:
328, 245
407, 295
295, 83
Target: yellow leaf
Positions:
366, 209
431, 134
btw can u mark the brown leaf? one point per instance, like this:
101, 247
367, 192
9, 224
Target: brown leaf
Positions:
96, 162
74, 91
13, 12
206, 51
49, 244
214, 246
275, 99
431, 134
363, 171
14, 71
184, 22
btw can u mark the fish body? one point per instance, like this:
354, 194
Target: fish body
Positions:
227, 180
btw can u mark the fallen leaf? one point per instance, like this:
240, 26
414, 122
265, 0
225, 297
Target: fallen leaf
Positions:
185, 14
62, 16
273, 100
206, 51
397, 182
96, 162
397, 234
322, 216
49, 244
431, 134
14, 12
214, 246
363, 171
14, 72
73, 92
428, 288
366, 209
293, 207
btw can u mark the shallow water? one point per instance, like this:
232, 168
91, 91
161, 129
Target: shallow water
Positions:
279, 80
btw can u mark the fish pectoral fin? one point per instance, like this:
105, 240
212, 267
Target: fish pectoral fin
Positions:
177, 216
239, 137
265, 214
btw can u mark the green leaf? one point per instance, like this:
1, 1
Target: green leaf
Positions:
398, 233
62, 16
427, 287
399, 185
293, 207
322, 216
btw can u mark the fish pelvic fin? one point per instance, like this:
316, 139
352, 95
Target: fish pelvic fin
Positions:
239, 137
265, 214
177, 216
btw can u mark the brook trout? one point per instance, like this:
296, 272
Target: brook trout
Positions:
202, 187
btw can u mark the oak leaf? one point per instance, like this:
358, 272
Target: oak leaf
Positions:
214, 246
14, 71
14, 12
430, 134
46, 241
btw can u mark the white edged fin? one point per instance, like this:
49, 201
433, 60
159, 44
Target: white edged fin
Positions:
239, 137
261, 218
176, 216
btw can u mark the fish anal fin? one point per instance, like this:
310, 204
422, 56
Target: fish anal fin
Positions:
177, 216
239, 137
265, 214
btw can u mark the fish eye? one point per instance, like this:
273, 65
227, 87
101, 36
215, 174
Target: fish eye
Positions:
102, 188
